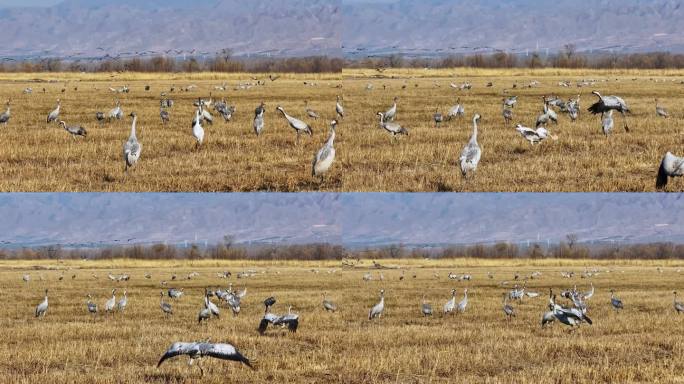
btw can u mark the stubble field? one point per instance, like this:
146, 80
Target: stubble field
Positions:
643, 343
41, 157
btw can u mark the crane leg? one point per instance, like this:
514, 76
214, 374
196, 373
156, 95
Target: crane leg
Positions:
625, 118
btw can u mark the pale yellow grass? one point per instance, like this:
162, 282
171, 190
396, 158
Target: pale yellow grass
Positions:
641, 344
37, 157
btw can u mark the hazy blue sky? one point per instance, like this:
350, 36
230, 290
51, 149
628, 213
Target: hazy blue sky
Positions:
339, 218
12, 3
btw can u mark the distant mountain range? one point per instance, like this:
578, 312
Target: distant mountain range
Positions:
423, 27
87, 28
357, 220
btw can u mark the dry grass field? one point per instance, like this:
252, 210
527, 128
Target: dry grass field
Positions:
644, 343
37, 157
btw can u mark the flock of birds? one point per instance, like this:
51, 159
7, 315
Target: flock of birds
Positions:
470, 155
572, 315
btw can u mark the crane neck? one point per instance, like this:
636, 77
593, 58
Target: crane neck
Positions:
135, 121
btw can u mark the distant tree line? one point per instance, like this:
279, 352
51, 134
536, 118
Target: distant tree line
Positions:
322, 251
225, 63
567, 58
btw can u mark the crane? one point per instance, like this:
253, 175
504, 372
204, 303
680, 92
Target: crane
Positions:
196, 351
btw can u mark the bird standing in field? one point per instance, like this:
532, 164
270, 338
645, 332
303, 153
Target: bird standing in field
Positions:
464, 302
5, 116
451, 304
425, 308
123, 302
471, 153
109, 304
164, 115
296, 124
92, 307
54, 115
608, 124
391, 113
74, 130
339, 108
378, 308
259, 118
507, 115
326, 155
616, 302
660, 110
310, 112
678, 305
328, 305
115, 113
393, 128
507, 308
197, 130
132, 148
670, 166
607, 103
197, 351
165, 307
437, 117
42, 308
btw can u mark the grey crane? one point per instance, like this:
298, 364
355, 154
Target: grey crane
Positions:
74, 130
425, 308
109, 304
616, 302
196, 351
393, 128
116, 112
42, 308
204, 315
291, 321
310, 112
507, 114
197, 130
54, 115
607, 124
326, 155
259, 118
328, 305
164, 115
451, 304
123, 302
296, 124
437, 117
132, 148
456, 111
209, 305
534, 136
569, 316
670, 166
471, 153
510, 101
678, 305
507, 308
461, 307
5, 116
165, 307
391, 113
606, 103
339, 109
175, 293
92, 307
660, 110
377, 310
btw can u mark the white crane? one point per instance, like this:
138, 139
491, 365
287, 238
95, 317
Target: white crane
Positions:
607, 103
451, 304
204, 349
259, 118
54, 115
456, 111
326, 155
378, 308
339, 108
670, 166
393, 128
42, 308
76, 130
197, 130
5, 116
132, 148
296, 124
109, 304
471, 153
